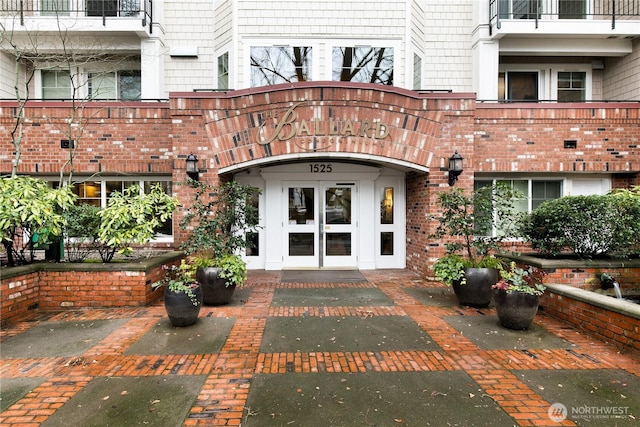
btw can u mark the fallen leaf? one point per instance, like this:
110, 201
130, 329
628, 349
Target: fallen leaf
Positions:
155, 402
124, 393
105, 398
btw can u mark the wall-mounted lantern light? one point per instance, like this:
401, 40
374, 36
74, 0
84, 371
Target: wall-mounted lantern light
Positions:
455, 167
192, 167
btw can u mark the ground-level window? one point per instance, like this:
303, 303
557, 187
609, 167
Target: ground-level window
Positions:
97, 192
536, 192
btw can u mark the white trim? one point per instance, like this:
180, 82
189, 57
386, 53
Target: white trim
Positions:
403, 164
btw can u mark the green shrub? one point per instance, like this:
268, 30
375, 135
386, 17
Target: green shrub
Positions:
81, 231
588, 226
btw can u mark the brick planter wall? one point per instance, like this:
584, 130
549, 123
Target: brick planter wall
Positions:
604, 317
18, 294
48, 286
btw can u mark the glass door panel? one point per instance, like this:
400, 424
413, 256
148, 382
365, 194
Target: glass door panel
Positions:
301, 225
338, 228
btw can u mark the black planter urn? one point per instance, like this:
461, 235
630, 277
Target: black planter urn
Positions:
477, 291
515, 310
180, 307
214, 288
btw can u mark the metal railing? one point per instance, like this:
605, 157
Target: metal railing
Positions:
541, 10
80, 8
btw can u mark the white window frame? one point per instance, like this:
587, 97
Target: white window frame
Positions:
249, 43
548, 78
598, 183
140, 180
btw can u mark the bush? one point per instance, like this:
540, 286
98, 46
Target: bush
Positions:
588, 226
82, 223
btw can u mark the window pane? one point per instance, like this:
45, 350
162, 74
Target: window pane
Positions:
522, 86
54, 7
417, 72
301, 205
338, 244
102, 86
386, 243
363, 64
273, 65
56, 84
338, 205
571, 86
386, 206
223, 71
544, 190
130, 85
301, 244
253, 244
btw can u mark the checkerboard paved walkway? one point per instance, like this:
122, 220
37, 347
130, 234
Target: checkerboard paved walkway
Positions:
277, 356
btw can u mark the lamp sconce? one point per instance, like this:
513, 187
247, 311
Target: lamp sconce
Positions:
455, 167
192, 167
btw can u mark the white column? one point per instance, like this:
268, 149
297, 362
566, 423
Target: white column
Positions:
152, 69
485, 69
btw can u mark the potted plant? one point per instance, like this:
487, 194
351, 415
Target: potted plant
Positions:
516, 295
182, 293
219, 219
474, 225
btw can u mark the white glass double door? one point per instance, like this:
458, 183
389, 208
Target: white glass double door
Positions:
320, 226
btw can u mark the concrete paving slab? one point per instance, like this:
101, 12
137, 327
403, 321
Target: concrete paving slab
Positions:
206, 336
322, 276
591, 397
307, 334
59, 339
13, 389
434, 297
130, 401
487, 333
330, 297
371, 399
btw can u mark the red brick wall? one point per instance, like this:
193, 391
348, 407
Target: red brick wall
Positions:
589, 278
530, 138
424, 130
52, 287
610, 326
19, 295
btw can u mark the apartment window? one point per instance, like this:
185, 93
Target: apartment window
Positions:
536, 192
519, 9
56, 84
572, 9
102, 7
417, 72
223, 71
123, 85
519, 86
572, 86
272, 65
54, 7
363, 64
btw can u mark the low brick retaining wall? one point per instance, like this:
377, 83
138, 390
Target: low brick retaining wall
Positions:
55, 286
612, 320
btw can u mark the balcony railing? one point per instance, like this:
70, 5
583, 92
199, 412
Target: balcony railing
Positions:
104, 9
538, 10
